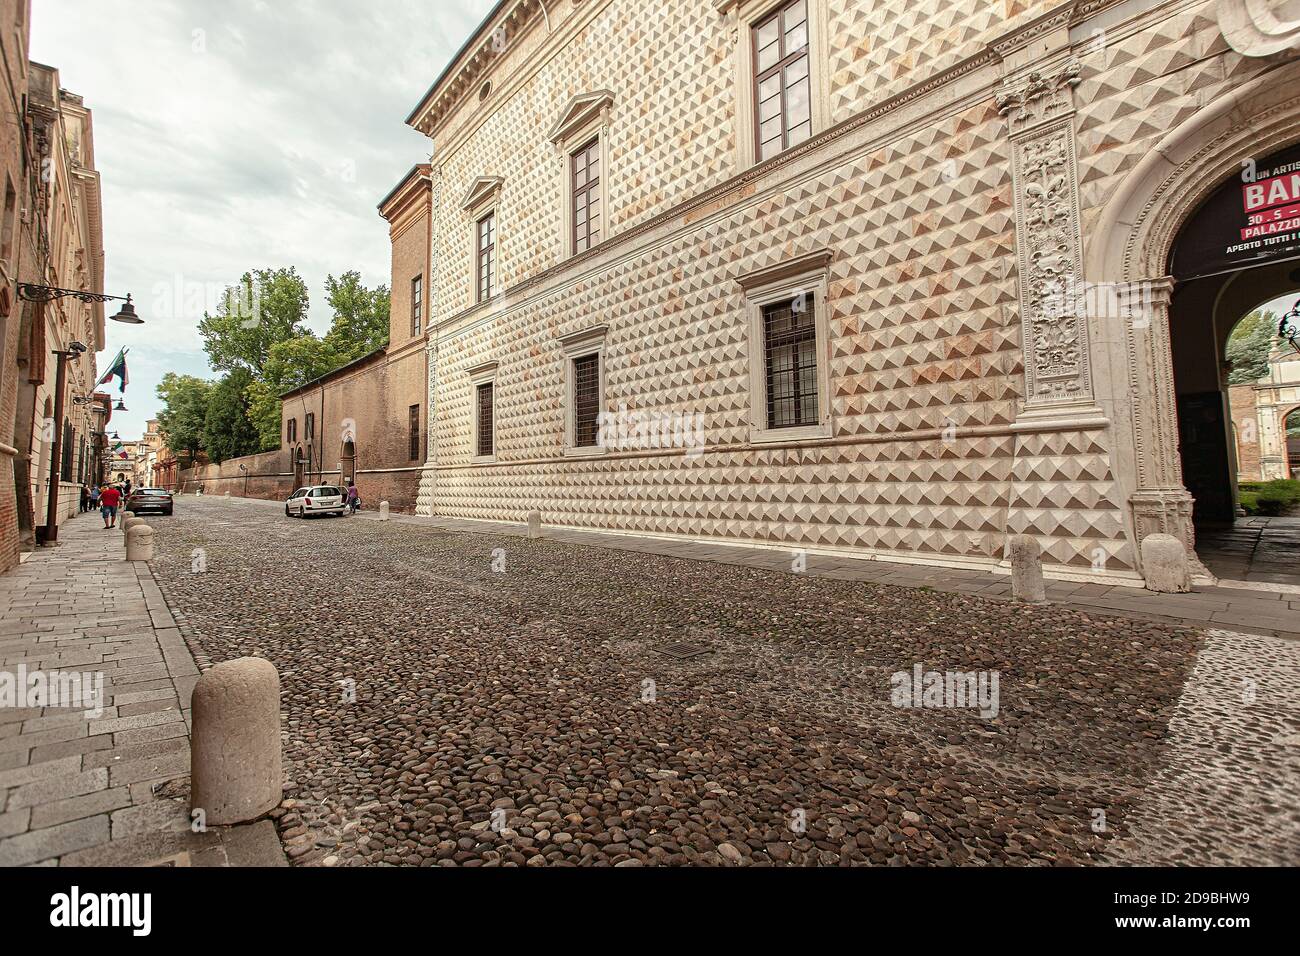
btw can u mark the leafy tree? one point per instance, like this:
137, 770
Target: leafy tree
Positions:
227, 430
185, 408
360, 316
290, 364
1249, 346
266, 307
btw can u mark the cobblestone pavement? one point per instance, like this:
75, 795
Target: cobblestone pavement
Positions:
102, 782
1226, 789
485, 699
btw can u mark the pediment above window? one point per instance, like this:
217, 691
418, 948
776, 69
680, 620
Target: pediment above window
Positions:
579, 113
481, 191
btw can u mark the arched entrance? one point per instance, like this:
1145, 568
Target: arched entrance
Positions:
1291, 437
1161, 362
299, 468
348, 462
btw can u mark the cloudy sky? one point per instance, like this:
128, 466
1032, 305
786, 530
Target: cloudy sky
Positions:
237, 135
242, 134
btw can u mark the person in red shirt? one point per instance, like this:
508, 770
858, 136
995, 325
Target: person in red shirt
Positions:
109, 499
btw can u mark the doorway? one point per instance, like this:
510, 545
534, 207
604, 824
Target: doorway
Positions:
1235, 259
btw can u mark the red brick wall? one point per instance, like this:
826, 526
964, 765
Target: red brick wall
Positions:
1245, 429
15, 16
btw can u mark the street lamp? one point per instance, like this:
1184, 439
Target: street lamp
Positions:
46, 293
120, 406
1289, 327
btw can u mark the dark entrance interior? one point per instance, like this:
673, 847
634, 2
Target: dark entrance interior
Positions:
1238, 252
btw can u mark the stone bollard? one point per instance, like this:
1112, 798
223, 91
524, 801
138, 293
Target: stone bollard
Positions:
1164, 564
383, 511
123, 517
235, 772
1027, 569
139, 543
127, 525
534, 524
227, 494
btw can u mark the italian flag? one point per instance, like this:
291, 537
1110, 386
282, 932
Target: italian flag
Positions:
117, 368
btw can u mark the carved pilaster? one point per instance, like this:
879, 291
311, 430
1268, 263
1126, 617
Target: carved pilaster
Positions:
1160, 505
1039, 109
428, 478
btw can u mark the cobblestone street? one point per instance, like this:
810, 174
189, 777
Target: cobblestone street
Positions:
540, 690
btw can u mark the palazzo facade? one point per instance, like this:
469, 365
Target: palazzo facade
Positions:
807, 273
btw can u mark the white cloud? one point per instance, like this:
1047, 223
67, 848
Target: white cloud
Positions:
242, 135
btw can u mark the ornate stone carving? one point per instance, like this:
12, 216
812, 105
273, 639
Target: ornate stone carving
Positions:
1040, 97
1045, 180
1260, 27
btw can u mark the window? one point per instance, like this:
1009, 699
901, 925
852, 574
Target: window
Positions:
291, 431
790, 360
789, 377
782, 99
585, 168
586, 400
483, 412
413, 431
483, 436
581, 137
7, 238
309, 426
584, 381
486, 246
417, 303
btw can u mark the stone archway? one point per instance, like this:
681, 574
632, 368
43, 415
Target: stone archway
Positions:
1129, 250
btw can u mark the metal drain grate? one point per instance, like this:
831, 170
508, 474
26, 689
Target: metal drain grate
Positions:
683, 650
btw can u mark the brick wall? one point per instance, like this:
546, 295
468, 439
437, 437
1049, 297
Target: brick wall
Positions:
15, 15
1245, 430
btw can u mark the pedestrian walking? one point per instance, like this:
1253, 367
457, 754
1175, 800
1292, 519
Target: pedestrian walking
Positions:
94, 498
109, 499
84, 506
354, 498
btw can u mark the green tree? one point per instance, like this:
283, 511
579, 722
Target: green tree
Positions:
185, 408
266, 307
290, 364
360, 316
1249, 346
227, 430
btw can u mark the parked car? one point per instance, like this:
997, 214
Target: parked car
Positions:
316, 500
150, 499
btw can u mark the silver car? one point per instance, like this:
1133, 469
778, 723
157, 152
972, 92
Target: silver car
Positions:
316, 500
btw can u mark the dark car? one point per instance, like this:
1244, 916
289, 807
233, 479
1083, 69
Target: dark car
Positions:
150, 499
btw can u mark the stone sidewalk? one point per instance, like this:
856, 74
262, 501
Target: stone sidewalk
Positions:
111, 787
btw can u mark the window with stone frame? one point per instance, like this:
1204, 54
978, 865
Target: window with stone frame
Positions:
787, 306
309, 426
413, 432
417, 304
485, 255
291, 430
782, 86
